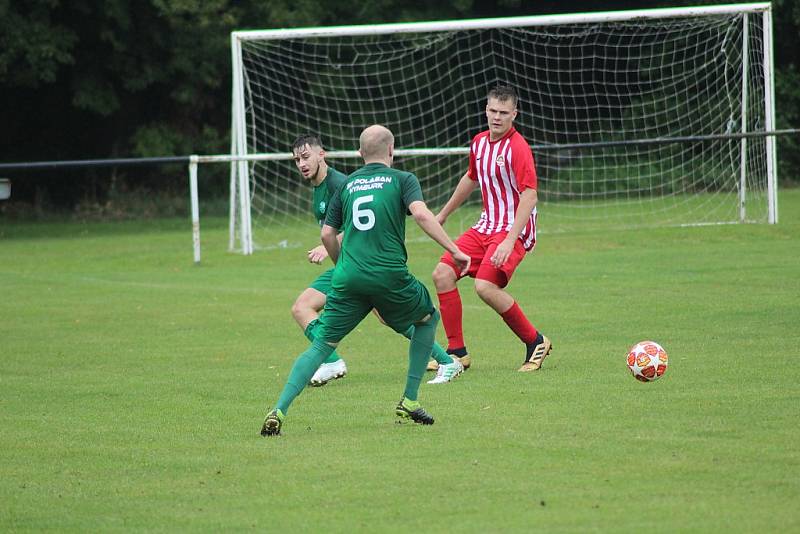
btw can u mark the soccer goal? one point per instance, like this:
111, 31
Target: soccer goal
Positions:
636, 118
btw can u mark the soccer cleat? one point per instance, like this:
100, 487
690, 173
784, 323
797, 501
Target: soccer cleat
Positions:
447, 372
327, 372
466, 361
272, 423
535, 354
408, 409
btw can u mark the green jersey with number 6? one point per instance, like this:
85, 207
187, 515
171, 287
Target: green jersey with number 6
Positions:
371, 208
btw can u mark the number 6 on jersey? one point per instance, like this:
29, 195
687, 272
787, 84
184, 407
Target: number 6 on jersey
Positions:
359, 215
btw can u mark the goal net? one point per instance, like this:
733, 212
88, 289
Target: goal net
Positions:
636, 118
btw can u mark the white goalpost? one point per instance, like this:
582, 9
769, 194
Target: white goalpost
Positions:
636, 118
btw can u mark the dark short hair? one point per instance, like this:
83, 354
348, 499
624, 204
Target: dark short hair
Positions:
503, 93
306, 139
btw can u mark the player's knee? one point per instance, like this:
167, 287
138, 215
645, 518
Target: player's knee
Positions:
309, 301
302, 306
298, 309
444, 278
485, 289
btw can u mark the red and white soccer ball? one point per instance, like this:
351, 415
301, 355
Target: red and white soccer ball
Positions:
647, 361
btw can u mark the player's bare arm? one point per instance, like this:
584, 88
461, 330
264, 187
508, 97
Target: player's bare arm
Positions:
331, 241
527, 201
430, 225
462, 192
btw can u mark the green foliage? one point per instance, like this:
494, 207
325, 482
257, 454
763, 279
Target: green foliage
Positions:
787, 93
158, 138
786, 21
117, 78
33, 47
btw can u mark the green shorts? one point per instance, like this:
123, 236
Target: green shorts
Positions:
323, 282
401, 301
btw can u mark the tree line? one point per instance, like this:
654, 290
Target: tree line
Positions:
92, 79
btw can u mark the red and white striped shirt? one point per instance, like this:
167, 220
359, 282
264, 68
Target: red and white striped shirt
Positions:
503, 169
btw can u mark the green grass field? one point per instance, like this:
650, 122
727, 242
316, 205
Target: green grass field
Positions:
133, 385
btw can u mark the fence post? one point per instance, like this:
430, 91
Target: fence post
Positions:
195, 207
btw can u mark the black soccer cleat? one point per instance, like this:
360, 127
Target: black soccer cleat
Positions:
407, 409
272, 423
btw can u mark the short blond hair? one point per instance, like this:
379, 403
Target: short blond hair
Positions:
375, 142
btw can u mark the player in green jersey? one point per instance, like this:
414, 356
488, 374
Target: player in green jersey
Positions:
371, 272
309, 157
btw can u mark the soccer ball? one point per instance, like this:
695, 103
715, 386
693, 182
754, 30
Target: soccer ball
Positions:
647, 361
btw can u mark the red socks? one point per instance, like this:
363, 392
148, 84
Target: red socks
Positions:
450, 308
518, 323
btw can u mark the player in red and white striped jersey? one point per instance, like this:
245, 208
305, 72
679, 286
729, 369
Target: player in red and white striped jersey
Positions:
501, 164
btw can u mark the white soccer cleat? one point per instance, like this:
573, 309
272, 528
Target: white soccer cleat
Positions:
328, 372
447, 372
466, 361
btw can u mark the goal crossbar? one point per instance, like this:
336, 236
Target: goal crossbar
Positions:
500, 22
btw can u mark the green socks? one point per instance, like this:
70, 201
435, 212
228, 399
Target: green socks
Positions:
303, 369
437, 353
311, 334
418, 353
